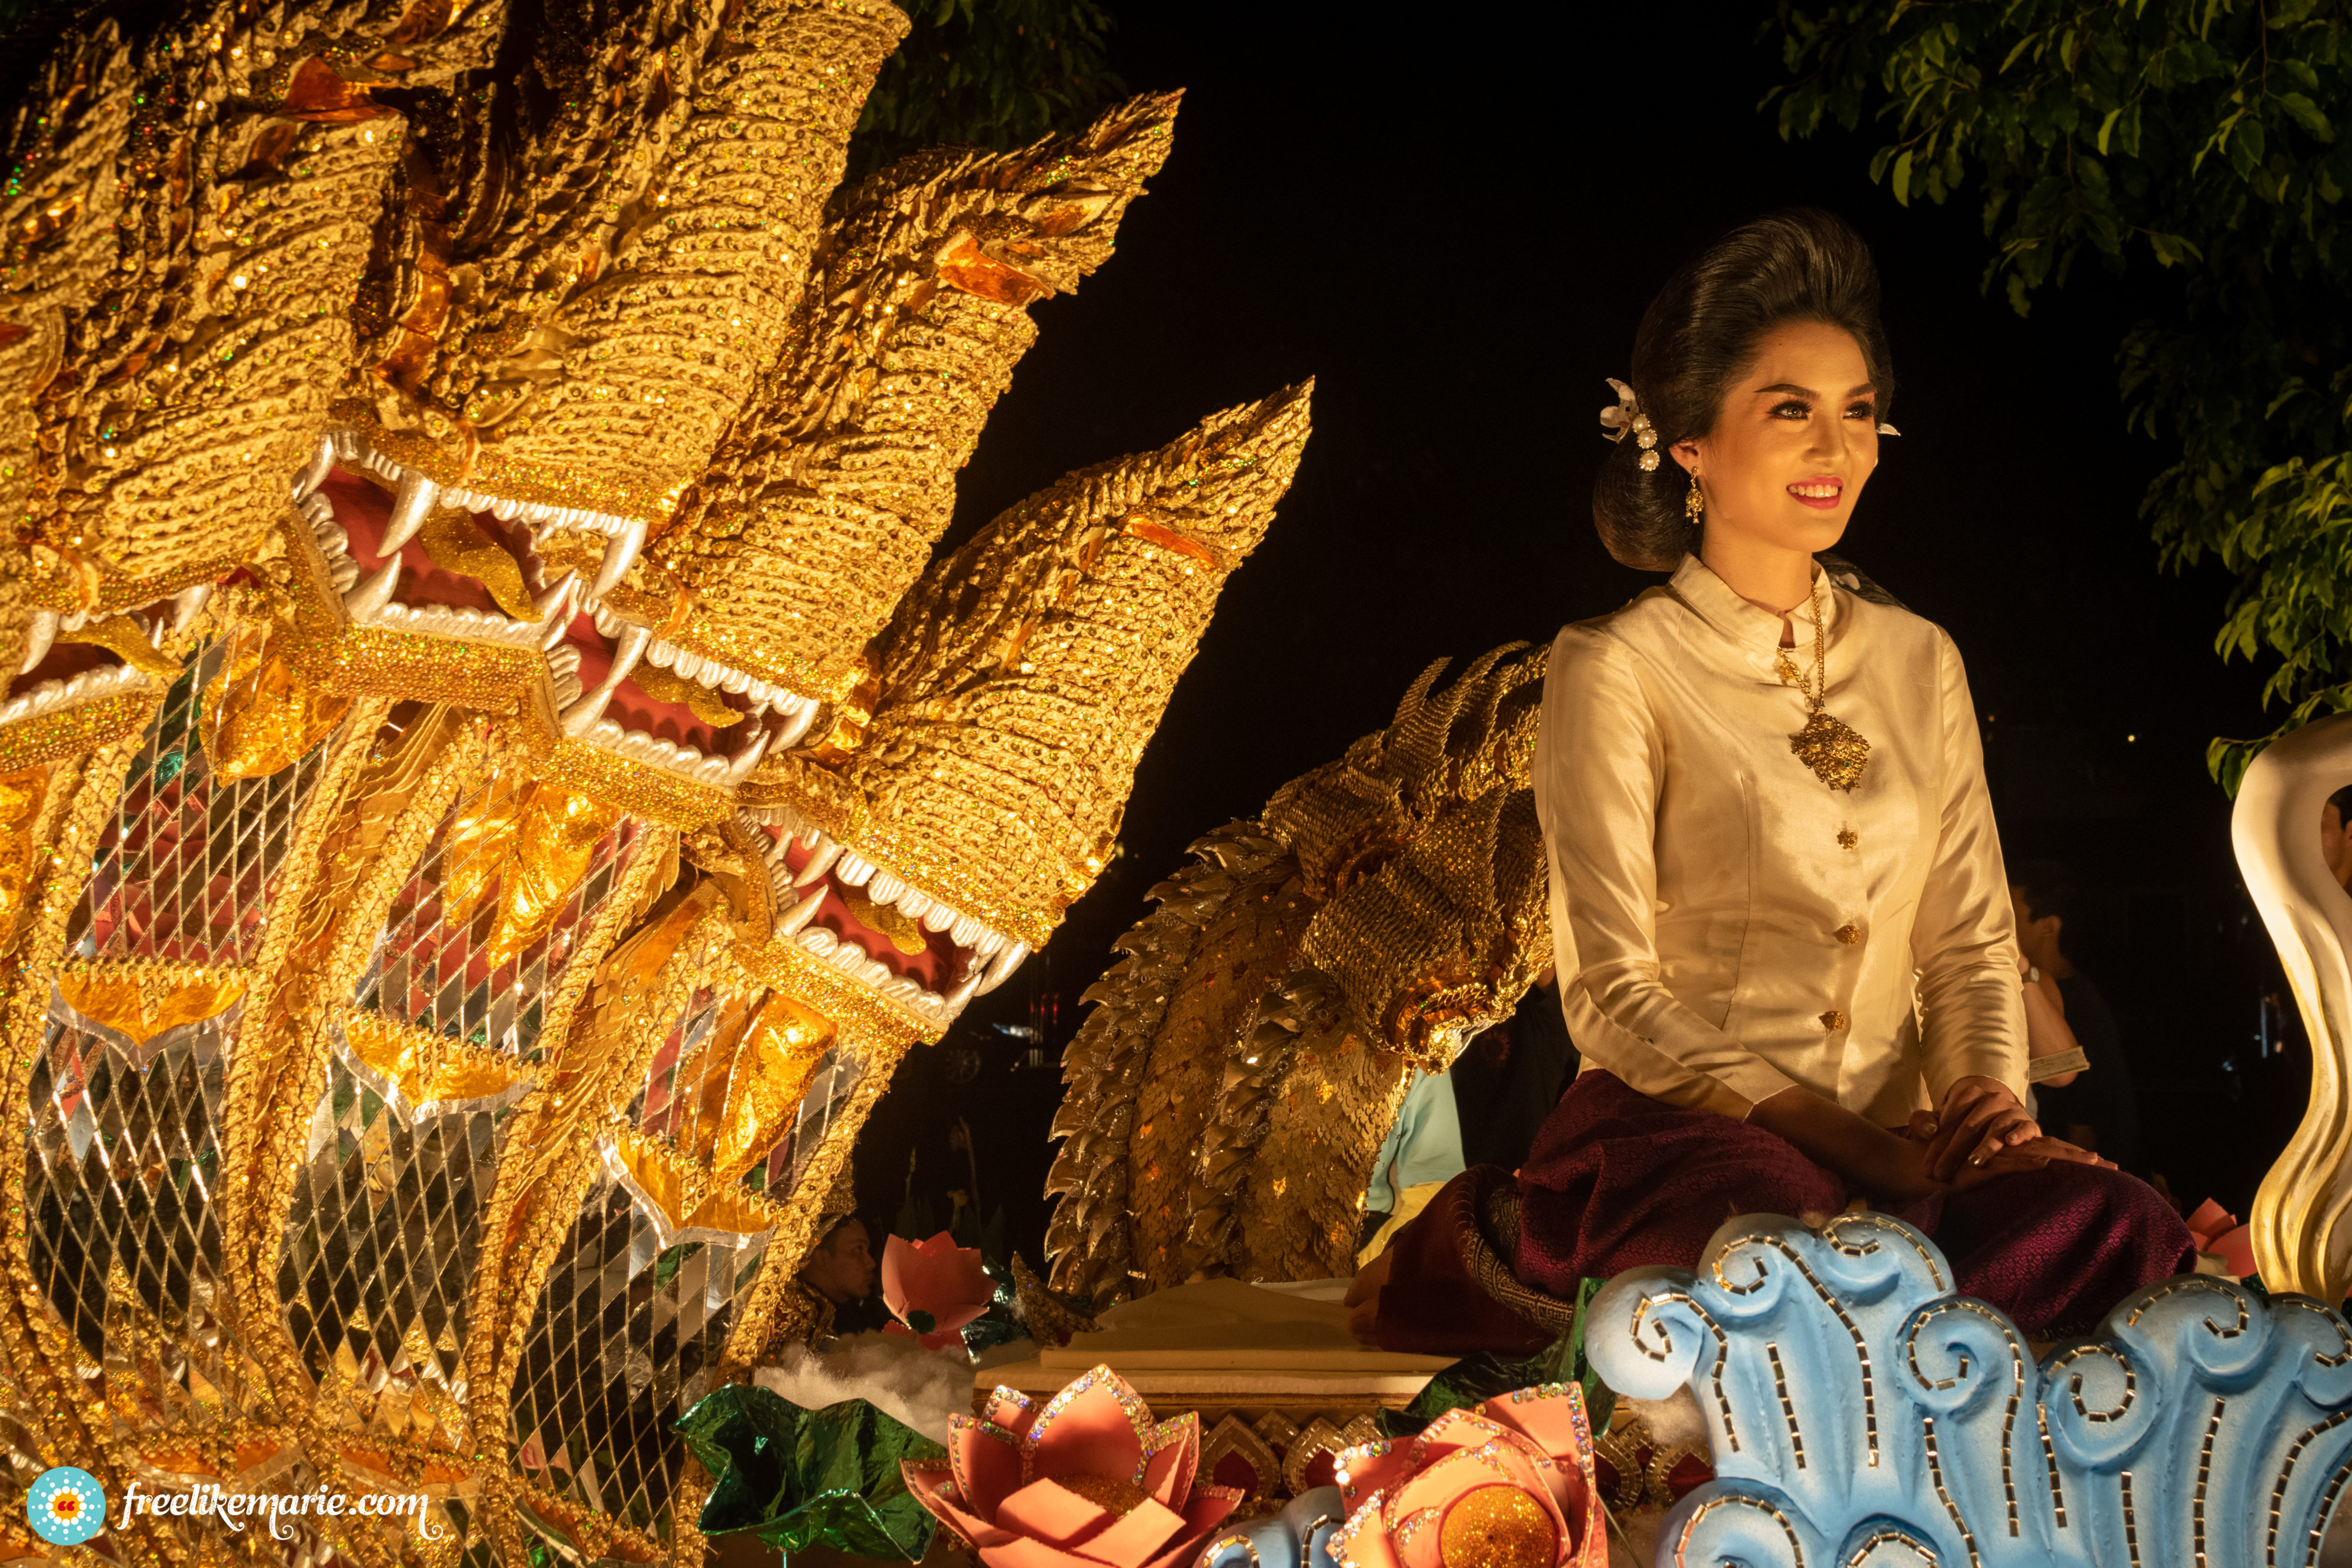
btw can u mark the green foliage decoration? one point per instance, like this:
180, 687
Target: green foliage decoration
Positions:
986, 73
800, 1478
2194, 144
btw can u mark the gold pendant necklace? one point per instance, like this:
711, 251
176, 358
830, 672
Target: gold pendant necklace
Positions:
1831, 747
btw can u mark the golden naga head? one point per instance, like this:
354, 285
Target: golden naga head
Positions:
582, 398
1243, 1062
185, 234
1014, 691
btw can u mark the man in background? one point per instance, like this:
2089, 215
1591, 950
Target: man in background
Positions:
2099, 1111
2335, 836
842, 1269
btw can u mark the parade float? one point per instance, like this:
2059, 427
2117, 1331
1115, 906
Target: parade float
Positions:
496, 775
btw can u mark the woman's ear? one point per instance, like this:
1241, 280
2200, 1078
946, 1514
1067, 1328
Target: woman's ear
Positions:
1686, 453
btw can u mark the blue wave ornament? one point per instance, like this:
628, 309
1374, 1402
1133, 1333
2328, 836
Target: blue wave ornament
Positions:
1864, 1416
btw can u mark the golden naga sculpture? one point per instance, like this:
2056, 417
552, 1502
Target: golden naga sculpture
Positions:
1238, 1074
493, 778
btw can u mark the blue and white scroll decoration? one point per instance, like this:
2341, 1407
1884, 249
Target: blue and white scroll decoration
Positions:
1865, 1417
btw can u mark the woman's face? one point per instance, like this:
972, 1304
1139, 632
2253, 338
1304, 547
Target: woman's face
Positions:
1796, 440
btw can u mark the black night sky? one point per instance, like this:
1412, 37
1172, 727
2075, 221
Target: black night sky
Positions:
1453, 219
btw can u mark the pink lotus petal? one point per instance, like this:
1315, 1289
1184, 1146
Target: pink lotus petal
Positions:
986, 1461
937, 1277
1363, 1541
1048, 1511
2209, 1221
1136, 1536
1095, 1425
1172, 1458
1010, 1409
1207, 1508
933, 1487
2236, 1249
1022, 1553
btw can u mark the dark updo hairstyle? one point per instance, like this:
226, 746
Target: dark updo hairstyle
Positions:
1701, 334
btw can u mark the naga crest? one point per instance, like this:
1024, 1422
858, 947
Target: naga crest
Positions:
1246, 1055
494, 776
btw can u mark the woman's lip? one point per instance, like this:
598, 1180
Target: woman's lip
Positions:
1835, 486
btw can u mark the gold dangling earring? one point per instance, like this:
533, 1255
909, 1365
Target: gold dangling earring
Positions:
1694, 504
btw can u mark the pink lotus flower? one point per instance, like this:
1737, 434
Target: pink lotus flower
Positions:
1511, 1484
1088, 1482
935, 1277
2217, 1234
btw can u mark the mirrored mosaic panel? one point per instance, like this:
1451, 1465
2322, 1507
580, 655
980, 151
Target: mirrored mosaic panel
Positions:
381, 1240
667, 1106
823, 1104
185, 866
624, 1340
120, 1162
448, 978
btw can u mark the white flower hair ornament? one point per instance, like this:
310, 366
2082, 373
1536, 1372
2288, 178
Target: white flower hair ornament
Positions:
1626, 414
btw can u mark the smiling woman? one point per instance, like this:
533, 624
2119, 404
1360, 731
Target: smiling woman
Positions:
1783, 935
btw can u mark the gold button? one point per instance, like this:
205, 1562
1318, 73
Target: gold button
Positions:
1833, 1021
1849, 934
1848, 838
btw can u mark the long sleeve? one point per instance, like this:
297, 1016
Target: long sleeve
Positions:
1600, 765
1963, 937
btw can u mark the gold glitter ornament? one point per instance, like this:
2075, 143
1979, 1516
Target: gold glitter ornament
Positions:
1497, 1527
260, 717
1832, 749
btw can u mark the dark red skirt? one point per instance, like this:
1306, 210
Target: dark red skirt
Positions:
1617, 1180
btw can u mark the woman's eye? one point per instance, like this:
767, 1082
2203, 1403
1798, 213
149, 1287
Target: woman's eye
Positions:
1794, 409
1861, 411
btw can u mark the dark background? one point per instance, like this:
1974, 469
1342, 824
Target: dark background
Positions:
1453, 219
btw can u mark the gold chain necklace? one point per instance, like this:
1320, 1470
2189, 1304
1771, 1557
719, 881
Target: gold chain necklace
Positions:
1832, 749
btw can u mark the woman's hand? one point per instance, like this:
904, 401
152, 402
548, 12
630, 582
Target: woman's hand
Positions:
1979, 1117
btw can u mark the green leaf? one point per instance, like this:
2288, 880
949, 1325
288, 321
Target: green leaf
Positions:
1902, 183
2306, 114
2106, 128
797, 1479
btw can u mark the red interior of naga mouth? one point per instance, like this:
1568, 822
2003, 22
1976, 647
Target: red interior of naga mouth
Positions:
363, 508
937, 969
63, 662
630, 707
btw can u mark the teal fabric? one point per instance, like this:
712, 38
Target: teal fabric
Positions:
1424, 1146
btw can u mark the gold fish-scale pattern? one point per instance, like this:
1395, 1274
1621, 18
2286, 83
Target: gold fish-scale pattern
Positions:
1249, 945
650, 245
245, 180
824, 502
67, 134
1089, 1237
1394, 906
1024, 675
1303, 1150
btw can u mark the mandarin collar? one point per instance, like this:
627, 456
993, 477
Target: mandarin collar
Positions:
1753, 632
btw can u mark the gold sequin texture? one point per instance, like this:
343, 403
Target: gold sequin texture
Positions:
1497, 1527
484, 1034
1849, 934
1833, 1021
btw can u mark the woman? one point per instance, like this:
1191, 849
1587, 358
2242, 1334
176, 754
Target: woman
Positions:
1778, 912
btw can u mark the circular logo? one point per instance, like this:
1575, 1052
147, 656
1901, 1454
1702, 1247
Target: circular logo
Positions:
66, 1506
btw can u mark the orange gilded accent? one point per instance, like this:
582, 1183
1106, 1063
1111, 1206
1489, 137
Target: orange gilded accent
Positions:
963, 264
118, 1001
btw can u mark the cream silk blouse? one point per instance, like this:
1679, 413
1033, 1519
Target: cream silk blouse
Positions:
1726, 924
